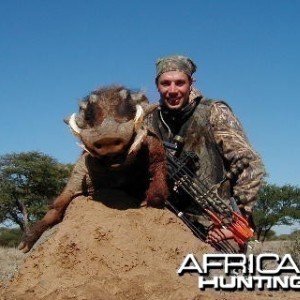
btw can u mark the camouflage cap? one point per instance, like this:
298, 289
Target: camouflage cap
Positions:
175, 63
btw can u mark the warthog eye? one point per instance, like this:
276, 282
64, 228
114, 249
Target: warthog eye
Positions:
98, 145
125, 111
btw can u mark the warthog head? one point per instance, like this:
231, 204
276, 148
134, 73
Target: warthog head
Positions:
110, 123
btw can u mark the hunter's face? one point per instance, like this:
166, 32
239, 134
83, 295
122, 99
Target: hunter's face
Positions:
174, 89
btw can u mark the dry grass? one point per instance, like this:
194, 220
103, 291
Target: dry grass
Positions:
278, 247
295, 250
9, 261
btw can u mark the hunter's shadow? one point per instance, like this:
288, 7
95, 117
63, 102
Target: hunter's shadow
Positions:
117, 199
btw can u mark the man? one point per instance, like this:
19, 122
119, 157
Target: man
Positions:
211, 130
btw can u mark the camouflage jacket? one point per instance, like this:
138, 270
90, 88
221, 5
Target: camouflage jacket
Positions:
217, 137
231, 138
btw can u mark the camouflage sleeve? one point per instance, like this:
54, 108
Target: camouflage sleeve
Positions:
232, 140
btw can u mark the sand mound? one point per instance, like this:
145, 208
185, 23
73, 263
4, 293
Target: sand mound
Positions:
112, 253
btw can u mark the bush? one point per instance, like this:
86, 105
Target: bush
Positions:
10, 237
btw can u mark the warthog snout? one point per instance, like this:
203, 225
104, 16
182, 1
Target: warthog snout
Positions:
110, 146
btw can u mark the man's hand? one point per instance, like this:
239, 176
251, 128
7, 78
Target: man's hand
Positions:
218, 234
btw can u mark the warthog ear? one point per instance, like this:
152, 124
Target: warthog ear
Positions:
139, 98
66, 120
83, 105
143, 108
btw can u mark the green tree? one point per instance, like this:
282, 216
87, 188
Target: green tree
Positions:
29, 181
276, 206
271, 235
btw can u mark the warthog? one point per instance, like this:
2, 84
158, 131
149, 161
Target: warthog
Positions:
119, 153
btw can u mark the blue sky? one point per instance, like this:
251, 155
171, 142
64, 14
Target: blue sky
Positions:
52, 53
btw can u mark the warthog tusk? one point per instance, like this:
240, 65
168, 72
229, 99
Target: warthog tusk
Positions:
73, 125
139, 117
83, 147
141, 133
